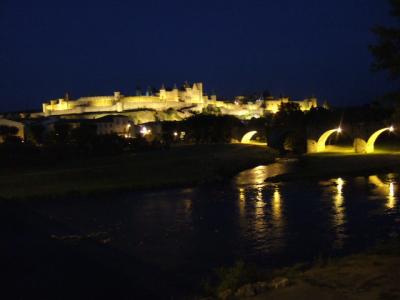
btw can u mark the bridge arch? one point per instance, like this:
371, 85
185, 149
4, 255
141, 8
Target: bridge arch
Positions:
324, 137
247, 137
370, 148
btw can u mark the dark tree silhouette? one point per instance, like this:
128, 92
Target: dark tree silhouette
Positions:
35, 133
62, 132
85, 133
289, 114
208, 129
387, 51
8, 130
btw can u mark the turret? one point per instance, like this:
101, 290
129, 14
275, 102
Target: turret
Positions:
199, 86
213, 96
149, 91
163, 93
117, 95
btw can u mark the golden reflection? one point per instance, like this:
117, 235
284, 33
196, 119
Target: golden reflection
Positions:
386, 189
259, 197
263, 213
260, 217
242, 202
257, 175
242, 196
260, 204
276, 215
276, 207
375, 180
338, 205
391, 197
253, 176
339, 198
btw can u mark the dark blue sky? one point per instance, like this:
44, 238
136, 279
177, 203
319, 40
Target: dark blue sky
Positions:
291, 47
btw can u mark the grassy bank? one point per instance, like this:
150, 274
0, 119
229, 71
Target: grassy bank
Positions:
178, 166
326, 165
373, 274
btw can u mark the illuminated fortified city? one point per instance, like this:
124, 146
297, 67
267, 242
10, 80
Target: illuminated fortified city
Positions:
183, 102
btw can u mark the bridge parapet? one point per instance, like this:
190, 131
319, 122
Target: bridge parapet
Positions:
311, 146
360, 145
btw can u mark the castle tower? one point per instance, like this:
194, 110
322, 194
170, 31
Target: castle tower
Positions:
117, 95
197, 93
163, 93
149, 91
175, 94
200, 87
213, 96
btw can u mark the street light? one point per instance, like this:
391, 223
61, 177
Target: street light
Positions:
144, 131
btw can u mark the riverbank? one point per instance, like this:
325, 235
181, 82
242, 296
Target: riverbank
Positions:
327, 165
374, 274
179, 166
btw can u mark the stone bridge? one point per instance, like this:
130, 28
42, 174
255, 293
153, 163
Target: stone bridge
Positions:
363, 137
363, 142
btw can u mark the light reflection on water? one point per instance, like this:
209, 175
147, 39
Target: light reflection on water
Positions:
339, 217
333, 192
260, 219
258, 174
386, 188
245, 218
267, 215
276, 207
242, 202
391, 197
260, 207
338, 200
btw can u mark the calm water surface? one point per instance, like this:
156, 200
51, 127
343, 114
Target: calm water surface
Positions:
189, 232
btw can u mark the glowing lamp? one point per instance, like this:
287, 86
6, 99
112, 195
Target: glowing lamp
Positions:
339, 130
391, 128
144, 131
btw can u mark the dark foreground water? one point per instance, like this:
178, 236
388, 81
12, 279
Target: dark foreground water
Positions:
178, 237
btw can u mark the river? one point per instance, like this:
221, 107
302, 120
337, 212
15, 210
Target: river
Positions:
187, 233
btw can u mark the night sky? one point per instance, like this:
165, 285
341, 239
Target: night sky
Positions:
289, 47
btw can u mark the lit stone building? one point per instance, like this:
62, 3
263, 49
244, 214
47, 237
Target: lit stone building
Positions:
20, 126
188, 98
120, 125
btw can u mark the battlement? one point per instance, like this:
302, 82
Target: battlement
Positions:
187, 96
